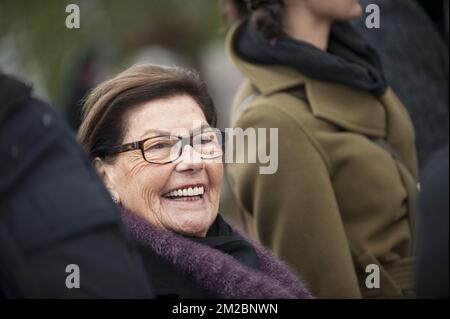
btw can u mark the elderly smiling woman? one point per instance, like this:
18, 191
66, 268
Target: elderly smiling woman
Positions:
150, 132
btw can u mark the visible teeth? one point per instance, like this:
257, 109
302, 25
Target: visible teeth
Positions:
191, 191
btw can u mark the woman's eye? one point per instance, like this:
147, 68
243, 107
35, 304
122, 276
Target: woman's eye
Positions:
158, 146
207, 139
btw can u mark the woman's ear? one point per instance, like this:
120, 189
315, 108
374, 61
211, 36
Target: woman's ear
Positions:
106, 174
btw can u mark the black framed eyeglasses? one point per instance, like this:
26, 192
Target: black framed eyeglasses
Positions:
164, 149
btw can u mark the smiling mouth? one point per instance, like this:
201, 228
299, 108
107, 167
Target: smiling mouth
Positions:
186, 193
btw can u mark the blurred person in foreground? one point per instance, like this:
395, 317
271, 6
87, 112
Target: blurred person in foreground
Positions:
164, 171
344, 195
55, 213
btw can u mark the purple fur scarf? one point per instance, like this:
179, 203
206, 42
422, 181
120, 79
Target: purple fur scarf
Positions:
216, 271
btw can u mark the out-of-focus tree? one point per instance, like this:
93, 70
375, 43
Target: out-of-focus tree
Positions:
116, 28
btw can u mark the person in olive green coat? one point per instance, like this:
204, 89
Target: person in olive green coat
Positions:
343, 197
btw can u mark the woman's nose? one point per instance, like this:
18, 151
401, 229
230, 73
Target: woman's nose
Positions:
190, 160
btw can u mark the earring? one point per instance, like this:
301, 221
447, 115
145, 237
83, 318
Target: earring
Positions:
115, 200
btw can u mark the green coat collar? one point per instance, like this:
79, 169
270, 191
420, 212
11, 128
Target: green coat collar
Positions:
344, 106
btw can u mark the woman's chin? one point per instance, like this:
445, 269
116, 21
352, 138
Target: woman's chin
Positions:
356, 12
352, 13
195, 226
188, 217
184, 204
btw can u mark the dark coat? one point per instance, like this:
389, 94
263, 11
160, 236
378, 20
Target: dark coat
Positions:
55, 211
181, 268
415, 63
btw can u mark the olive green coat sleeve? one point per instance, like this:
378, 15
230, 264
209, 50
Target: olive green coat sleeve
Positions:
294, 211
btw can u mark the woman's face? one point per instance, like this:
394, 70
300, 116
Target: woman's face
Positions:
144, 188
334, 10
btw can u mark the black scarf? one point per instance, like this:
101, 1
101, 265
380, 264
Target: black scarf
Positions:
349, 60
220, 236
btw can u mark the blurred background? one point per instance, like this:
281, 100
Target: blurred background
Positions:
62, 64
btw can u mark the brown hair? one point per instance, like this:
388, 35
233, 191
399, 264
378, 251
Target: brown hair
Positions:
266, 14
105, 108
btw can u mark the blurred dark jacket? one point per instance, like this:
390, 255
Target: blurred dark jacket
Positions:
432, 242
223, 264
437, 10
54, 210
416, 64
